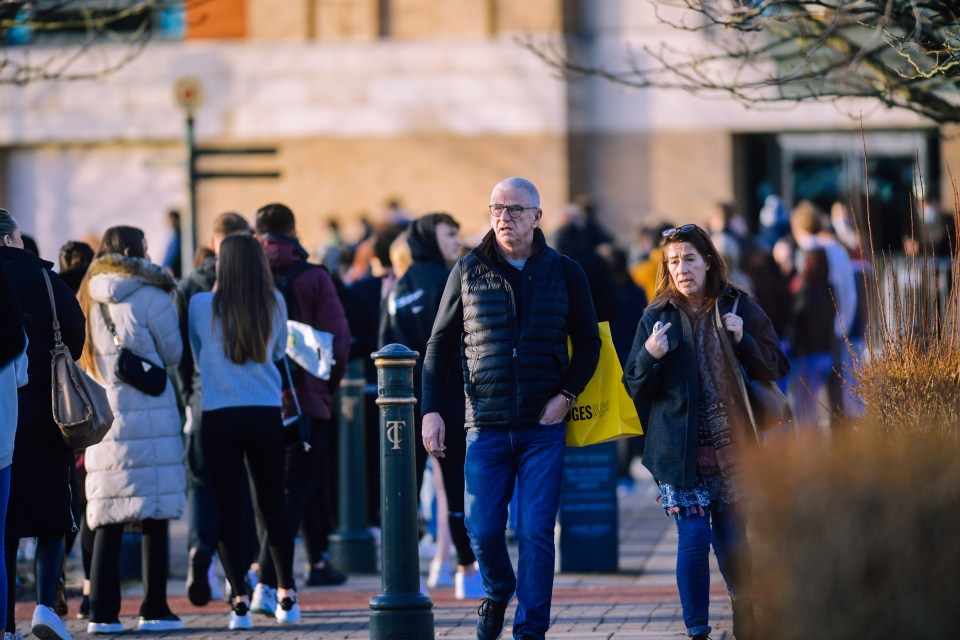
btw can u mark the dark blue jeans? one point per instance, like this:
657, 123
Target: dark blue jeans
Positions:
723, 526
533, 457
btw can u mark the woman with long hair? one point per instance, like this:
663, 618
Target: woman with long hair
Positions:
136, 474
685, 362
237, 333
39, 476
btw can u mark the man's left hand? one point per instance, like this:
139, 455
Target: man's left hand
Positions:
554, 411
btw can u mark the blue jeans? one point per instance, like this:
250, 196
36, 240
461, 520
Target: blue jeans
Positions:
723, 526
495, 458
4, 498
811, 373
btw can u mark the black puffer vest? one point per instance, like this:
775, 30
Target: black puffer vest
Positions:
512, 365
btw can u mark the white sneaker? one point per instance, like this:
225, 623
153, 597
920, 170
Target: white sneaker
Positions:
240, 617
467, 587
288, 611
16, 635
104, 627
47, 625
439, 575
264, 600
170, 622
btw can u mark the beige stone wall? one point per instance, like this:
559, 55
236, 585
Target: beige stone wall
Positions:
417, 19
645, 177
344, 178
950, 161
690, 172
528, 16
346, 20
274, 20
634, 178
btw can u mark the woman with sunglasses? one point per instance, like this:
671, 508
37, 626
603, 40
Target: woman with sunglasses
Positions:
684, 363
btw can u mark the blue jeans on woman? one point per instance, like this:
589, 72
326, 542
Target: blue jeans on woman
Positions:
4, 498
722, 526
495, 458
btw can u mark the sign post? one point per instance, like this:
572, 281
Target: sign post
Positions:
188, 92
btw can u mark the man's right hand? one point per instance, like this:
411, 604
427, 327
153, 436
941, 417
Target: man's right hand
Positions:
434, 434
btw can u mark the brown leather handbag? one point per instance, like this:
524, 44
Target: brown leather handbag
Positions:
767, 407
80, 405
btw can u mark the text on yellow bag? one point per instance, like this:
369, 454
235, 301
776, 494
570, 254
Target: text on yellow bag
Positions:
604, 411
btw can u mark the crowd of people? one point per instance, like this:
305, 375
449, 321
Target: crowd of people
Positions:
242, 439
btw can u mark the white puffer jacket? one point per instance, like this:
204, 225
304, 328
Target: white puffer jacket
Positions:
136, 472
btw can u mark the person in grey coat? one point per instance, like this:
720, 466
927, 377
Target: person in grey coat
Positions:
136, 474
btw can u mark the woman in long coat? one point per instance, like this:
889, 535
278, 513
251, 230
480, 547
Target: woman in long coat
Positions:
39, 503
136, 474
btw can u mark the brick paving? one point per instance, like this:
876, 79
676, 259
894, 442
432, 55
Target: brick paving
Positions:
638, 602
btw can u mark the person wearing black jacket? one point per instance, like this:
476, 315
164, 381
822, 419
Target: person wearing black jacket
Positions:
686, 359
506, 312
407, 318
39, 503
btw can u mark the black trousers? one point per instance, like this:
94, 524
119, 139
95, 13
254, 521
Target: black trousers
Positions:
201, 501
47, 565
105, 571
308, 483
451, 466
253, 437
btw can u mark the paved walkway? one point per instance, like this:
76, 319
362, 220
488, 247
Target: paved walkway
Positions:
638, 602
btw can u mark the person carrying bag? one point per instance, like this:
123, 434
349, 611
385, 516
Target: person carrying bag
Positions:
80, 405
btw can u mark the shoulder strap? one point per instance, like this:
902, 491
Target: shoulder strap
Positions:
105, 311
283, 280
57, 337
734, 363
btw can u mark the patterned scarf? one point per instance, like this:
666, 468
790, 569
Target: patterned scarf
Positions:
722, 422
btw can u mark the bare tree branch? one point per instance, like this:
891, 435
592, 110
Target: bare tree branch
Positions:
901, 53
58, 40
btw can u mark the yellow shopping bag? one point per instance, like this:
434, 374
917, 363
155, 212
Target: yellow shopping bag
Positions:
604, 411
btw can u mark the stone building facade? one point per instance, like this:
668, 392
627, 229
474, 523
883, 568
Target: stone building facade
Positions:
429, 102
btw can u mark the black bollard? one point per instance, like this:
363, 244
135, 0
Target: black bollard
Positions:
352, 547
400, 610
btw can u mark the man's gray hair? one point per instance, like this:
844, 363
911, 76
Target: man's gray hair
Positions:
533, 196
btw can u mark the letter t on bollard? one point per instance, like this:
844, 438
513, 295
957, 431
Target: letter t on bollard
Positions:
400, 610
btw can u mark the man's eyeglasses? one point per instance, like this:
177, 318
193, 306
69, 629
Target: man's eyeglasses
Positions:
513, 210
670, 234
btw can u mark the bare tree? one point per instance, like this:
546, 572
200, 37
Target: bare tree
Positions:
62, 39
901, 53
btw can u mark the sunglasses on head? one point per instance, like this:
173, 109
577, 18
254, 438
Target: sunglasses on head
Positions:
670, 234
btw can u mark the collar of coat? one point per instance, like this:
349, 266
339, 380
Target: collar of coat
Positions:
114, 263
488, 246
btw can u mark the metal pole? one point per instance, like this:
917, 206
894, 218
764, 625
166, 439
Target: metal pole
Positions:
400, 610
352, 547
188, 223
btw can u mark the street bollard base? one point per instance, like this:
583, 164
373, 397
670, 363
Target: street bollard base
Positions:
354, 551
405, 624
